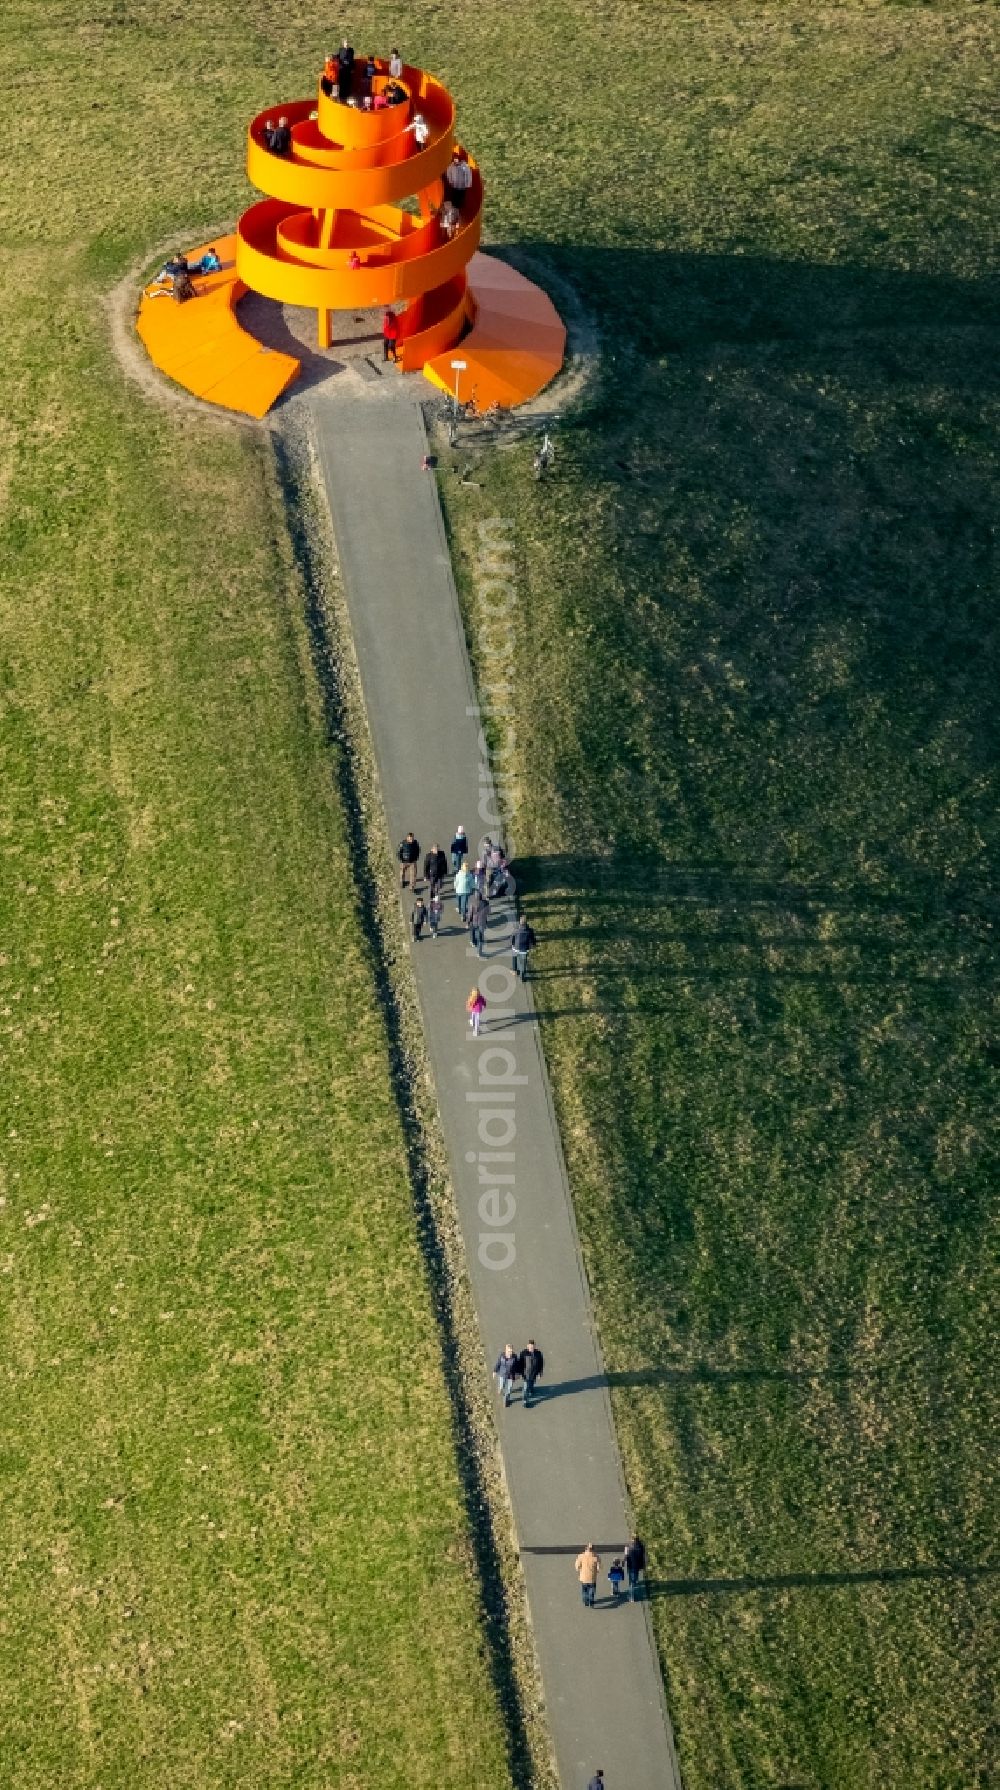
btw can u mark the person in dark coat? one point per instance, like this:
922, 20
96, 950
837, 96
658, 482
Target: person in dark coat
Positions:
506, 1371
409, 857
635, 1565
479, 914
435, 868
418, 918
522, 940
531, 1365
281, 138
459, 848
345, 70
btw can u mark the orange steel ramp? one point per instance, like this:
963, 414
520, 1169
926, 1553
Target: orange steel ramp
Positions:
203, 348
516, 345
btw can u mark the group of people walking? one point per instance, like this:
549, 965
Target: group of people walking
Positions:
475, 886
525, 1365
626, 1568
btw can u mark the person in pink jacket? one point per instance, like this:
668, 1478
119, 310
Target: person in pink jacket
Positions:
474, 1008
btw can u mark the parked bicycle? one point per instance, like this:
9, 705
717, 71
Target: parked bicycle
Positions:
544, 457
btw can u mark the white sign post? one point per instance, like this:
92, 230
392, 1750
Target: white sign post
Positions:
458, 368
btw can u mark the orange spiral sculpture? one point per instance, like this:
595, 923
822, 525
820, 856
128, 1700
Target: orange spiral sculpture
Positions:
332, 234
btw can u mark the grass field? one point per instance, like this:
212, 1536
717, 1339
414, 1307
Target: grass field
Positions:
233, 1542
756, 691
756, 740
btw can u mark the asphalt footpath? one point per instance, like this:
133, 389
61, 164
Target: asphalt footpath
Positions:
601, 1679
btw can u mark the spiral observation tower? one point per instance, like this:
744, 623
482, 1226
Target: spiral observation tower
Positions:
352, 220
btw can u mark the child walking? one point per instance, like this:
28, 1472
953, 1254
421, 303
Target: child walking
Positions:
418, 917
616, 1574
434, 914
474, 1008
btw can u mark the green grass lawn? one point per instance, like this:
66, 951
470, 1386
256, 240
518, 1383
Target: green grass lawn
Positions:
756, 741
233, 1543
756, 689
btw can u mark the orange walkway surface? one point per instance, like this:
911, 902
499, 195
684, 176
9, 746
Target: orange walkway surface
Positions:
332, 235
516, 345
201, 345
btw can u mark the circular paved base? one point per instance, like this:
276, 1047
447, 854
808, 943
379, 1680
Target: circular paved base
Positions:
292, 330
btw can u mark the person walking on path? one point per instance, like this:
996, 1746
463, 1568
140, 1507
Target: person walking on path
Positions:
390, 336
635, 1565
459, 849
588, 1566
479, 918
522, 940
417, 918
597, 1781
463, 889
434, 914
435, 869
409, 857
616, 1578
479, 875
458, 179
474, 1007
531, 1365
506, 1371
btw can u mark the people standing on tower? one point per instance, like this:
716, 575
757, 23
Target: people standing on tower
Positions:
458, 179
345, 70
396, 65
421, 130
281, 138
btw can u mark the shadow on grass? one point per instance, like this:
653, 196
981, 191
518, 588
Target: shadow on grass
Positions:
818, 1581
679, 1376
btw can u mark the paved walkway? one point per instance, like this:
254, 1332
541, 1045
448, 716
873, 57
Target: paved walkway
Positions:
601, 1679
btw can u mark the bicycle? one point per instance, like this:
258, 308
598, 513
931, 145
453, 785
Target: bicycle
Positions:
544, 457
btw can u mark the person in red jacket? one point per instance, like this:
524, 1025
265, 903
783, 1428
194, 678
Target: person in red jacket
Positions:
390, 335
